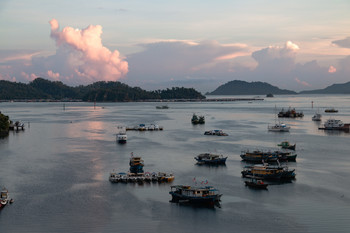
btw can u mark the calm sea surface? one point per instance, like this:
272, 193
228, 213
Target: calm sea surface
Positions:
57, 169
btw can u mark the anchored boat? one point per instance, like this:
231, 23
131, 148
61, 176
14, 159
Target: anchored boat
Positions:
267, 171
256, 183
331, 110
287, 145
4, 198
196, 195
208, 158
197, 119
291, 113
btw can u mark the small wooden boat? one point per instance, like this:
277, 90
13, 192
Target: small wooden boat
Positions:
256, 183
287, 145
330, 110
162, 107
165, 177
116, 177
215, 132
317, 117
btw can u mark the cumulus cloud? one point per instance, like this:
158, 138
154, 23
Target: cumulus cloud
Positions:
166, 60
345, 43
208, 64
80, 58
88, 58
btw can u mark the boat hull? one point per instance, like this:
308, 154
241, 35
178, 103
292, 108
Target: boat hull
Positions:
212, 162
252, 184
207, 200
279, 176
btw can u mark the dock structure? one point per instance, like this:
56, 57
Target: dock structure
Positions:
203, 100
16, 126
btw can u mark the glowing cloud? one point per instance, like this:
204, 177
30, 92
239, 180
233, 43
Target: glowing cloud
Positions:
302, 82
87, 57
53, 75
332, 69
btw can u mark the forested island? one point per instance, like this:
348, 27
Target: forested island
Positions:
238, 87
99, 91
343, 88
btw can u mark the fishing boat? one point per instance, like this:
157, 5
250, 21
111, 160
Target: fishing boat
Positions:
332, 124
287, 145
206, 195
278, 127
136, 166
122, 138
116, 177
162, 107
256, 183
317, 117
267, 171
201, 120
215, 132
141, 127
4, 198
330, 110
257, 156
197, 119
286, 156
165, 177
290, 113
208, 158
121, 135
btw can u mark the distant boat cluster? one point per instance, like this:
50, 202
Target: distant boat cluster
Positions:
262, 166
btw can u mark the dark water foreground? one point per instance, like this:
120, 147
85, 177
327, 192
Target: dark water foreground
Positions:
57, 169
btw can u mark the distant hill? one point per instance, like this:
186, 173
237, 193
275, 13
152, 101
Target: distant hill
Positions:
343, 88
100, 91
238, 87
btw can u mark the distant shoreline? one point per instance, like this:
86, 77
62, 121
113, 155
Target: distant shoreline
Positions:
138, 101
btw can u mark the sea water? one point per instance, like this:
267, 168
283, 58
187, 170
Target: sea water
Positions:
57, 169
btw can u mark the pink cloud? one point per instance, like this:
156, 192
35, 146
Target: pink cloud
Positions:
332, 69
87, 56
53, 75
302, 82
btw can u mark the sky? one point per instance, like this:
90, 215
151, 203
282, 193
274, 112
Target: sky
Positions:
296, 45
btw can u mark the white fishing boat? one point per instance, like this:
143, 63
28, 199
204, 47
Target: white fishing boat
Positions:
278, 127
121, 135
4, 198
317, 117
333, 124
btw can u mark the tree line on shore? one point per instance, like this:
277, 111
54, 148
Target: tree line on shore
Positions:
99, 91
4, 125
